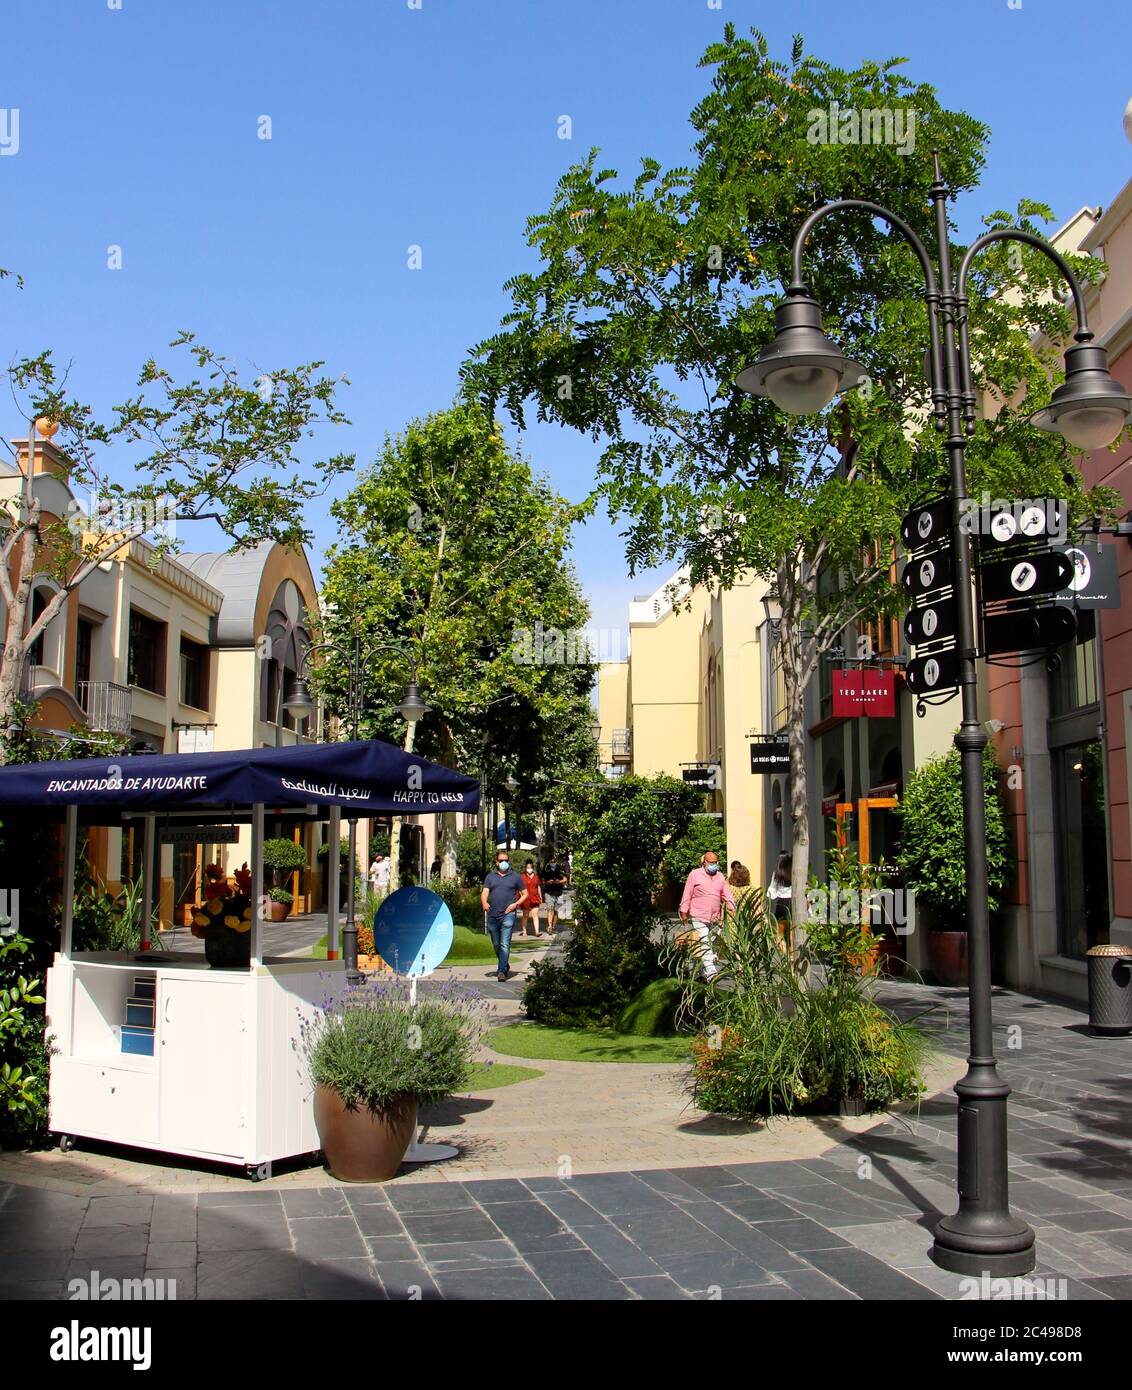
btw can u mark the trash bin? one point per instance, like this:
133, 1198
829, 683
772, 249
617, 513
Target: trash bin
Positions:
1110, 990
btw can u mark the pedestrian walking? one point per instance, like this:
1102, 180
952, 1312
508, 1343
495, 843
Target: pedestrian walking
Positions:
554, 878
503, 895
379, 875
779, 893
740, 880
706, 891
533, 885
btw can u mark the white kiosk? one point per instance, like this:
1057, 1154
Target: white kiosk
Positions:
218, 1074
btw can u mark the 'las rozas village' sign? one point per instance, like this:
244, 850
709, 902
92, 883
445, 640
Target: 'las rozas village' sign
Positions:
869, 693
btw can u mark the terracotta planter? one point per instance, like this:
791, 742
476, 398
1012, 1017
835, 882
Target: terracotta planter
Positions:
947, 957
362, 1145
277, 912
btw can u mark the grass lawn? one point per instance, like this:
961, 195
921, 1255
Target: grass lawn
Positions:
538, 1042
490, 1076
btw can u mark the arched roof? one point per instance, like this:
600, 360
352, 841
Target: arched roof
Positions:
239, 575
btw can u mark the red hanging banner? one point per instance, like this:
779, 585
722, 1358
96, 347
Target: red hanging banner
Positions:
869, 693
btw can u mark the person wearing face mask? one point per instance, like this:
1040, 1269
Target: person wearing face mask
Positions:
504, 893
705, 893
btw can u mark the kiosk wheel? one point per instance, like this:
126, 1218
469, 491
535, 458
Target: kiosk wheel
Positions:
66, 1143
257, 1172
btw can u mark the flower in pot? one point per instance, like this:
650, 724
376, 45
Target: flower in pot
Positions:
931, 856
373, 1058
280, 901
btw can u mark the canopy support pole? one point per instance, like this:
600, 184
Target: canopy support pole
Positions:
70, 840
147, 878
334, 867
257, 883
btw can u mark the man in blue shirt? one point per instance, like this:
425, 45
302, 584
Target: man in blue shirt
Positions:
503, 894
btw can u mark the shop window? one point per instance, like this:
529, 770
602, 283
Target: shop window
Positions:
1074, 684
147, 653
1082, 843
194, 674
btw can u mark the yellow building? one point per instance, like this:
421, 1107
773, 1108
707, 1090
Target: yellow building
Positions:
689, 696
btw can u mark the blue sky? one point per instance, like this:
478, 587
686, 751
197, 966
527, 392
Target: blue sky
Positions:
438, 127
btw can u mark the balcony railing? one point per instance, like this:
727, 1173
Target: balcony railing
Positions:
622, 745
108, 707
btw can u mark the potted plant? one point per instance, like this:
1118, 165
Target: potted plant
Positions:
224, 919
931, 857
374, 1058
279, 903
281, 859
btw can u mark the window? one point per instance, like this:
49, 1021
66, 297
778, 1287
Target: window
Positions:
1074, 684
84, 645
194, 674
147, 653
39, 601
778, 715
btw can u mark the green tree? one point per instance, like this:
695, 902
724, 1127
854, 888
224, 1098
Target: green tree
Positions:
454, 551
618, 832
703, 835
649, 298
210, 447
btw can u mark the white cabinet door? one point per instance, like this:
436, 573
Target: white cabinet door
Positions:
202, 1035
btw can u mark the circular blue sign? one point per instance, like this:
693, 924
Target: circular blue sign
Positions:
412, 930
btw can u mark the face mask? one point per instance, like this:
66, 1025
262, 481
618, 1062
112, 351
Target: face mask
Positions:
712, 868
503, 865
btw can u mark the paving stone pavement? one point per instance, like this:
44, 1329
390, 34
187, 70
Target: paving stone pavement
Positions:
852, 1223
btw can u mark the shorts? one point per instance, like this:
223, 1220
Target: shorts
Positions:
553, 900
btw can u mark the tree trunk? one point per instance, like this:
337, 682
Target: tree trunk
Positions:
395, 826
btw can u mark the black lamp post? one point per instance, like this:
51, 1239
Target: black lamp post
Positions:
300, 704
802, 371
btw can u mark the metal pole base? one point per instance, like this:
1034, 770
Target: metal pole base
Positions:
428, 1153
984, 1235
963, 1251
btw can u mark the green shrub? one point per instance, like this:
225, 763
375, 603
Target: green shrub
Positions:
281, 895
283, 856
603, 969
930, 853
471, 863
703, 835
652, 1014
785, 1038
24, 1050
375, 1048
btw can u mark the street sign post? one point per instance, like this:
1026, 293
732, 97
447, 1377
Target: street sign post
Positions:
1026, 576
769, 756
1027, 628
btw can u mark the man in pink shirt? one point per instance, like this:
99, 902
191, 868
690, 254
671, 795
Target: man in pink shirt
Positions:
705, 892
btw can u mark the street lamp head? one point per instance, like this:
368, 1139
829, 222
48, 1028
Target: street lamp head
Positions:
298, 702
801, 370
595, 731
1089, 409
412, 708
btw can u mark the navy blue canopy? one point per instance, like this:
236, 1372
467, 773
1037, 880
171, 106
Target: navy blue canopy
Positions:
366, 777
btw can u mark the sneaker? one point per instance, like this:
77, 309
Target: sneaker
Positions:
501, 976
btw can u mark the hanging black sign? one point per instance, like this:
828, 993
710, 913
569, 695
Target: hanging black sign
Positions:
938, 672
769, 755
926, 525
1026, 576
706, 778
933, 622
927, 572
1025, 629
1095, 582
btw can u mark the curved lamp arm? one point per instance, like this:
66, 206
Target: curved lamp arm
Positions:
797, 285
1084, 333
